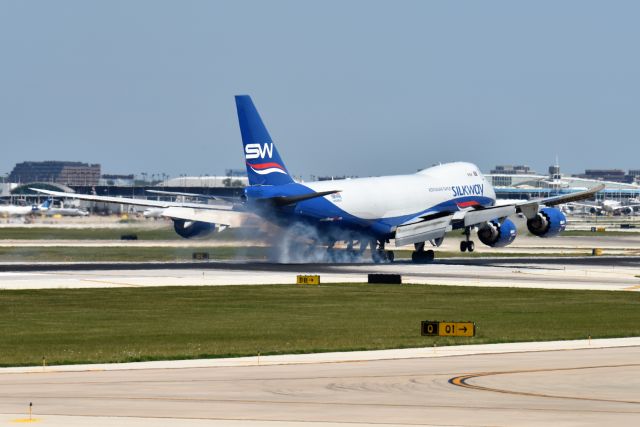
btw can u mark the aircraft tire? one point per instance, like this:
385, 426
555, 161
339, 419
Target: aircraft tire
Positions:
390, 256
463, 246
430, 255
471, 246
422, 257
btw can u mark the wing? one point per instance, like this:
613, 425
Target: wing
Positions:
202, 196
530, 208
131, 201
433, 225
224, 215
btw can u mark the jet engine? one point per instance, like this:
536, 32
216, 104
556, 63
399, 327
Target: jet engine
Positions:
549, 222
496, 234
192, 229
627, 210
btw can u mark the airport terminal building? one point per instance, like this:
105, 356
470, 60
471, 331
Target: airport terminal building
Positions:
520, 182
58, 172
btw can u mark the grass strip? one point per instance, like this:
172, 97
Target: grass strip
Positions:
140, 254
135, 324
166, 232
124, 253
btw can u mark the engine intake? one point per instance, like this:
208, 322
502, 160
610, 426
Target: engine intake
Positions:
496, 234
549, 222
193, 229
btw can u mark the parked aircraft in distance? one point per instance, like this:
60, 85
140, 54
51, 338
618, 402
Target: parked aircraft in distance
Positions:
48, 209
607, 207
417, 208
15, 210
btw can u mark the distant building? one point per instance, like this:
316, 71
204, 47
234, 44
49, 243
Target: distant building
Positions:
512, 170
67, 173
613, 175
236, 172
117, 180
502, 175
206, 181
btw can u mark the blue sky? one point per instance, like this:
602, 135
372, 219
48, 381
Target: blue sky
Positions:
344, 87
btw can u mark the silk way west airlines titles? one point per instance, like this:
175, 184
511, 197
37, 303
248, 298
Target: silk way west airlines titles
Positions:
416, 209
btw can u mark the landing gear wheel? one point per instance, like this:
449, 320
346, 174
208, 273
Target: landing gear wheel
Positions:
390, 256
422, 257
467, 244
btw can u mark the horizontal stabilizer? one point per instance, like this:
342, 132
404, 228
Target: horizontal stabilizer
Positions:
292, 200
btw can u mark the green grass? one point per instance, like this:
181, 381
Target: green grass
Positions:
133, 253
120, 325
53, 233
596, 234
165, 232
137, 253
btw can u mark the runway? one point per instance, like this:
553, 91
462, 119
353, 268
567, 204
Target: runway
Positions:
587, 386
593, 273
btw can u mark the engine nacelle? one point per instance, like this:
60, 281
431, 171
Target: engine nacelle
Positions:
193, 229
549, 222
496, 234
628, 210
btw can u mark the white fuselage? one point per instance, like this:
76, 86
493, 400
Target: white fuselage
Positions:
62, 211
404, 195
12, 210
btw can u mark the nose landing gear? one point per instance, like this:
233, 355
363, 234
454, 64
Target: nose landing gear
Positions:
467, 244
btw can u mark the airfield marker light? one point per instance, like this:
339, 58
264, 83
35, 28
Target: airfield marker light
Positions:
30, 409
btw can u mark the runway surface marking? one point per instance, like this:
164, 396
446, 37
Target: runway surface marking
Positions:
465, 406
462, 381
388, 392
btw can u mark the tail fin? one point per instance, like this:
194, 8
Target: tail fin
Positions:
46, 204
264, 165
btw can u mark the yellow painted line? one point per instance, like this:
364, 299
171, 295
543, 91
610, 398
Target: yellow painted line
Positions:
26, 420
632, 288
461, 381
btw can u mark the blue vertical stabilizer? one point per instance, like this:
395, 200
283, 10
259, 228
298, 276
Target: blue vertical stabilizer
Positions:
264, 165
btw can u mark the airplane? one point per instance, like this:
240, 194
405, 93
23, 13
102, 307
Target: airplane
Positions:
47, 208
416, 208
607, 207
15, 210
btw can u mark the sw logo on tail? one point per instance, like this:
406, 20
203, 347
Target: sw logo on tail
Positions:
254, 151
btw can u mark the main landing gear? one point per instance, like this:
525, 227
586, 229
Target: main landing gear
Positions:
420, 256
379, 254
467, 244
